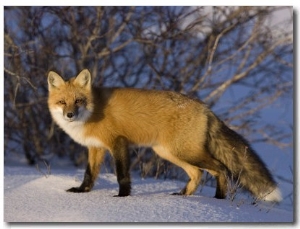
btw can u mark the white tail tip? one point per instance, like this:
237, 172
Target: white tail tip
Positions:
274, 196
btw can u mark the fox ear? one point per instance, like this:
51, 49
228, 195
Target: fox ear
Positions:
84, 79
54, 80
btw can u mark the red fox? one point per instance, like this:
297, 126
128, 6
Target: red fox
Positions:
179, 129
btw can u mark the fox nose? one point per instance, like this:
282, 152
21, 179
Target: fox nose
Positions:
70, 115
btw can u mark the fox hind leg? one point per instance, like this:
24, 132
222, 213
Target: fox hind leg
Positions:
219, 171
221, 190
195, 175
192, 171
95, 158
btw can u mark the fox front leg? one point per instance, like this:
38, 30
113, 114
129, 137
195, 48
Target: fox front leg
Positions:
95, 158
122, 161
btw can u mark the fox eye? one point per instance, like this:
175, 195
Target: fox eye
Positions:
78, 101
62, 102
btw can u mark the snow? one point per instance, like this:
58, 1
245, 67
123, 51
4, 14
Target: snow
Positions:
30, 196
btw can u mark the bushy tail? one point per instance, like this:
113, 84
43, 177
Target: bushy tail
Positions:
241, 160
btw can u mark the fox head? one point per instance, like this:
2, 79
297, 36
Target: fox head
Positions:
70, 100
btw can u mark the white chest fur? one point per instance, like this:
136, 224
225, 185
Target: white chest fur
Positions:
75, 130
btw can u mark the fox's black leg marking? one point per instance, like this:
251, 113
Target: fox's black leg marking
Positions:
123, 178
181, 193
87, 183
216, 169
221, 187
122, 161
96, 156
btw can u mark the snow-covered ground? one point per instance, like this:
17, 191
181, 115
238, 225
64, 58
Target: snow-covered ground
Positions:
30, 196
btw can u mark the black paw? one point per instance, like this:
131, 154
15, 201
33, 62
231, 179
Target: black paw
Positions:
78, 189
123, 193
219, 197
120, 195
177, 194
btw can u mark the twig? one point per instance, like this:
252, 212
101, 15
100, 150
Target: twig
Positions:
235, 185
46, 174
